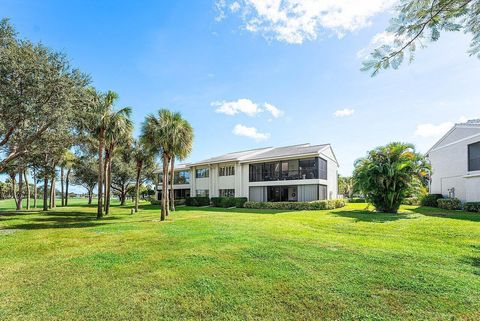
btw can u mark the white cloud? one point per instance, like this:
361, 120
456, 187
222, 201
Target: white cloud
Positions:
250, 132
380, 39
247, 107
432, 130
232, 108
294, 21
344, 112
276, 113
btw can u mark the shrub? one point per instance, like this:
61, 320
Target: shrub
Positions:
180, 201
411, 201
297, 206
472, 207
197, 201
227, 202
431, 200
357, 200
449, 203
240, 201
154, 201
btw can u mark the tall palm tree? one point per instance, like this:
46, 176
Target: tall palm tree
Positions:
182, 142
118, 131
142, 156
96, 121
157, 133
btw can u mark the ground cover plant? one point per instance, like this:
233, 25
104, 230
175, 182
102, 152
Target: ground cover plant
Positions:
239, 264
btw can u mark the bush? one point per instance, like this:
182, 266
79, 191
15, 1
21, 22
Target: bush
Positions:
240, 201
357, 200
297, 206
411, 201
180, 201
449, 203
431, 200
197, 201
227, 202
154, 201
472, 207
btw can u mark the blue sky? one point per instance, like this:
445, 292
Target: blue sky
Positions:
202, 57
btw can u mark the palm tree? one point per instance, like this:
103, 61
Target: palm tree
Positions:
65, 162
96, 121
388, 173
157, 133
182, 141
119, 130
142, 156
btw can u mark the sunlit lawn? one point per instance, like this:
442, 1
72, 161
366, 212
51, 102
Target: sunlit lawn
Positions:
346, 264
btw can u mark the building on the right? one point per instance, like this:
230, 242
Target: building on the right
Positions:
455, 161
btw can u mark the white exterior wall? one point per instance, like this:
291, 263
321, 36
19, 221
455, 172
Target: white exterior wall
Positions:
449, 162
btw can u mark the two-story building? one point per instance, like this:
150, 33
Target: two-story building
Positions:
455, 161
293, 173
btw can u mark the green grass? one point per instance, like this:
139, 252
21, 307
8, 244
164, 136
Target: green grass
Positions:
203, 263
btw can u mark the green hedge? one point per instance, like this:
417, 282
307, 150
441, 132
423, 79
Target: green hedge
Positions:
228, 201
472, 207
431, 200
411, 201
197, 201
297, 206
180, 201
449, 203
357, 200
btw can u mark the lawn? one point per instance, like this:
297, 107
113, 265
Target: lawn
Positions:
204, 263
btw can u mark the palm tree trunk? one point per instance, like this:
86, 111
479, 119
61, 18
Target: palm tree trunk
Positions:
101, 146
52, 187
27, 186
34, 188
20, 190
172, 192
164, 188
90, 192
13, 178
109, 184
67, 181
62, 182
137, 185
45, 191
105, 180
167, 205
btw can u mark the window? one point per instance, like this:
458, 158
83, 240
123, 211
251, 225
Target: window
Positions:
310, 168
322, 168
226, 192
181, 177
202, 193
474, 157
202, 173
226, 171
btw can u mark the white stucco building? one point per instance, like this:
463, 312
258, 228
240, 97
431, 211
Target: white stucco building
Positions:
292, 173
455, 161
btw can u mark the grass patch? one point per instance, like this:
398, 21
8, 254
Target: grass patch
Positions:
239, 264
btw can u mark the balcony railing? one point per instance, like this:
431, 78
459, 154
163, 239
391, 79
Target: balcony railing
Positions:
285, 175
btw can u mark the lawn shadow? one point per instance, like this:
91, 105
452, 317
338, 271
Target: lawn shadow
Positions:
372, 217
438, 212
474, 260
183, 208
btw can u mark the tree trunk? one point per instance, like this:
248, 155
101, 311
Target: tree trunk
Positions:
52, 189
90, 192
109, 184
27, 186
105, 181
101, 146
167, 201
13, 178
20, 190
164, 189
34, 188
137, 185
67, 181
45, 191
62, 182
172, 192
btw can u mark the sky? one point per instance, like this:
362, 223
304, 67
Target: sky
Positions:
250, 74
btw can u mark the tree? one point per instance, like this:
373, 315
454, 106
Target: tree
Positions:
143, 159
420, 20
346, 186
37, 89
387, 174
182, 141
157, 133
66, 162
123, 173
85, 173
118, 131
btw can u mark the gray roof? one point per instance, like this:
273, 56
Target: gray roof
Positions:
471, 122
265, 153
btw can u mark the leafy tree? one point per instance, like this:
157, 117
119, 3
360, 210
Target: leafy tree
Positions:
123, 173
387, 174
66, 162
418, 21
85, 173
38, 92
346, 186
